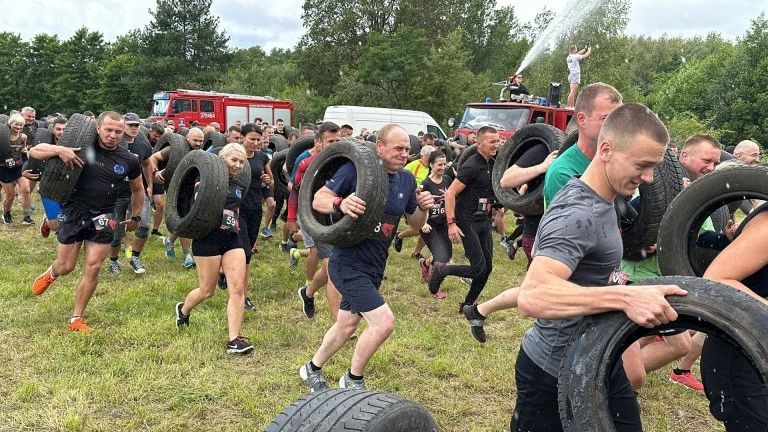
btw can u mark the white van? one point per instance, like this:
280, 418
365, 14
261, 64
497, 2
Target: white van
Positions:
373, 119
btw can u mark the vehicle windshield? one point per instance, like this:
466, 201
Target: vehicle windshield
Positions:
161, 107
506, 119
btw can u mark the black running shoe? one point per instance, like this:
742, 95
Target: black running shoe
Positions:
222, 282
398, 242
239, 345
307, 303
436, 278
249, 306
181, 319
476, 322
511, 249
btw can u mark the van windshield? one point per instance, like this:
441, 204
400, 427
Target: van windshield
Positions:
505, 119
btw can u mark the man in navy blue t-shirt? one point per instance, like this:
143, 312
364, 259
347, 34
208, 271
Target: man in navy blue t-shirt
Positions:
357, 271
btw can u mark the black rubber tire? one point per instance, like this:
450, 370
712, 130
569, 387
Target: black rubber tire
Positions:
415, 145
42, 136
371, 138
570, 139
183, 131
297, 148
372, 188
466, 154
278, 143
341, 410
462, 139
189, 216
654, 200
445, 146
716, 309
276, 165
680, 226
179, 149
525, 138
213, 139
703, 257
5, 141
59, 180
162, 142
4, 119
42, 124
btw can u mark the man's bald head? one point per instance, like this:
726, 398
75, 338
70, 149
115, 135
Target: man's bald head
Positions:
748, 152
195, 138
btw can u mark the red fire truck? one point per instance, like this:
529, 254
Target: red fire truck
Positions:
182, 107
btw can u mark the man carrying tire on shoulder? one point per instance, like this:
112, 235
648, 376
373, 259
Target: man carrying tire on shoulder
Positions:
51, 208
357, 271
577, 258
468, 204
143, 152
87, 217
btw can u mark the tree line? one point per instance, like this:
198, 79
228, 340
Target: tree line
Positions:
427, 55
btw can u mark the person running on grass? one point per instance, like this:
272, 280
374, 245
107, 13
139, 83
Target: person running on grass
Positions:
357, 271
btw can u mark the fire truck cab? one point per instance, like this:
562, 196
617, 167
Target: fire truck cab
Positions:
182, 107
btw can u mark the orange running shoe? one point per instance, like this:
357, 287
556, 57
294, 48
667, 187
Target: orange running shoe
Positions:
79, 326
42, 282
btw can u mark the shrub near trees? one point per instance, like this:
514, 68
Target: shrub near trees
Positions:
423, 55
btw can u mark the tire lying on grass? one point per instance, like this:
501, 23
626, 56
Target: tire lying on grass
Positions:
716, 309
42, 136
59, 180
680, 226
655, 198
190, 213
372, 187
276, 165
524, 139
296, 149
338, 410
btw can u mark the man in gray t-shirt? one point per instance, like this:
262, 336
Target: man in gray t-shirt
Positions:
574, 69
576, 262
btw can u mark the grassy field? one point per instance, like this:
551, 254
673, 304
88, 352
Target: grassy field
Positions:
138, 373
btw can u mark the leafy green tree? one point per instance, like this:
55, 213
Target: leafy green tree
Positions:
79, 65
41, 72
12, 72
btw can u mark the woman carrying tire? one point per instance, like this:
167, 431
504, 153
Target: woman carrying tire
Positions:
737, 397
223, 248
11, 167
435, 231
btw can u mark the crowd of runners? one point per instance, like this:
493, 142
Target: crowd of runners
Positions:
573, 251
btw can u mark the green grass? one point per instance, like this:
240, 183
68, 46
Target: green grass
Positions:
138, 373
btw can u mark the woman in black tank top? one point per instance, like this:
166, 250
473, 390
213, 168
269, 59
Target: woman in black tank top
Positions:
12, 159
736, 395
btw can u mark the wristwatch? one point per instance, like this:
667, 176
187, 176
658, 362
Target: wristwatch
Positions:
337, 204
136, 218
450, 221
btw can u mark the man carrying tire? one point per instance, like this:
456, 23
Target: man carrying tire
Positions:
357, 271
578, 254
87, 217
51, 208
468, 204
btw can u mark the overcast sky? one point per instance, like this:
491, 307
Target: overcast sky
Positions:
277, 23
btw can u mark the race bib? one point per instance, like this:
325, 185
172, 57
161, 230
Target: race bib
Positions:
386, 229
483, 206
618, 277
229, 221
437, 210
11, 163
104, 221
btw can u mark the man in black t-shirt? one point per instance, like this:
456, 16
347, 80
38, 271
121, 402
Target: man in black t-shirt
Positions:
87, 216
467, 209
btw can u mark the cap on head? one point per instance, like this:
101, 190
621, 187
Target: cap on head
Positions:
132, 119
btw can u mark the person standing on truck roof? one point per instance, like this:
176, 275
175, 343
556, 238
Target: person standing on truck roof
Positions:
574, 69
516, 87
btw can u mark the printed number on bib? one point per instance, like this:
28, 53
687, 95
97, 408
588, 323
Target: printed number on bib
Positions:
436, 211
229, 221
386, 229
10, 163
483, 205
104, 222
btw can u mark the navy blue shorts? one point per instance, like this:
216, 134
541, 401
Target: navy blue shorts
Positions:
10, 175
359, 289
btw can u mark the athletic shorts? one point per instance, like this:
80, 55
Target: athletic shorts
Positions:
308, 240
359, 289
158, 189
267, 193
10, 175
77, 225
323, 250
574, 78
216, 243
52, 208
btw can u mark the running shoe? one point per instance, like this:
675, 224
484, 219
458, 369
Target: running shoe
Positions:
45, 231
189, 262
314, 379
437, 277
114, 267
424, 270
249, 306
307, 303
239, 345
440, 294
476, 322
266, 233
398, 243
466, 280
27, 220
511, 249
181, 319
7, 218
77, 325
284, 247
157, 233
687, 379
346, 382
294, 259
136, 265
170, 253
504, 244
42, 282
222, 282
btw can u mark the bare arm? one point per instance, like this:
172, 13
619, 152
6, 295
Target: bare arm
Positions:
515, 176
746, 255
351, 205
146, 168
586, 54
66, 154
268, 171
154, 161
450, 198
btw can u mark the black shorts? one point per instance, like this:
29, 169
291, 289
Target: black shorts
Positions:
217, 242
76, 225
267, 193
537, 406
359, 289
10, 175
158, 189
